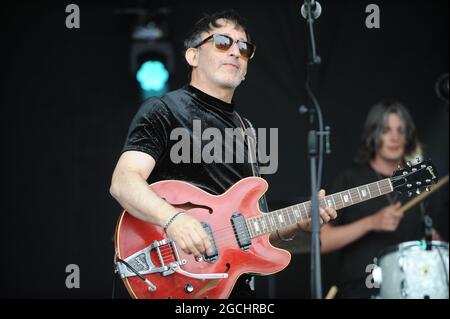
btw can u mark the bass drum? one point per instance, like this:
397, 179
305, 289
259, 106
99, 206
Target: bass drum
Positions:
411, 271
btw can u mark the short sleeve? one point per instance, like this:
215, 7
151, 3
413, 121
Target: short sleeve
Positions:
150, 128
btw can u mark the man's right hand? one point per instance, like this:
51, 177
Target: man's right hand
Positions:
387, 219
189, 235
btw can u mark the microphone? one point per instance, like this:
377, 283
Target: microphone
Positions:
316, 9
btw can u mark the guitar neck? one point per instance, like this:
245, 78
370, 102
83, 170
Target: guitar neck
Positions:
301, 213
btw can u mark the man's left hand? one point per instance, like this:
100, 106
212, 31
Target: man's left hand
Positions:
326, 214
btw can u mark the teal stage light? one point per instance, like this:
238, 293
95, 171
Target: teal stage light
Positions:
152, 76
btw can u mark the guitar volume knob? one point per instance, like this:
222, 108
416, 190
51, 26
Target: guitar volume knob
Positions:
189, 288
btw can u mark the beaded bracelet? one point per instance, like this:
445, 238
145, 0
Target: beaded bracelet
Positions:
171, 220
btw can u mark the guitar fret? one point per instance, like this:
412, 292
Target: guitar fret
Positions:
296, 214
386, 185
268, 222
256, 226
292, 213
350, 196
300, 213
280, 218
371, 192
263, 223
287, 216
329, 202
379, 187
357, 190
362, 193
306, 210
336, 201
335, 206
357, 199
342, 199
250, 227
274, 220
287, 220
368, 191
269, 219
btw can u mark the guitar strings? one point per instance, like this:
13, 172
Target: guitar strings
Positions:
222, 238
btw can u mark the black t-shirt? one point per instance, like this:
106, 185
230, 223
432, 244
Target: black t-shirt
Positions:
159, 117
354, 258
151, 128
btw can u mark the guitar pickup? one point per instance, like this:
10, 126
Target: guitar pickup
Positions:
212, 257
241, 231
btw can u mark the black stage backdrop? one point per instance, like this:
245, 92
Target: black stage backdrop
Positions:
68, 97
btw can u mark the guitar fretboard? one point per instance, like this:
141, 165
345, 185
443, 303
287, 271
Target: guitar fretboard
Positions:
301, 213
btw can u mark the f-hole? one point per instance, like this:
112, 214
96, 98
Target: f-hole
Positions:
189, 205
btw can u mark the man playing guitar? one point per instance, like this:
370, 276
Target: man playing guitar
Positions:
218, 51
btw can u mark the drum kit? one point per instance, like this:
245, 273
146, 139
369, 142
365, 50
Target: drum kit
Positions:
413, 270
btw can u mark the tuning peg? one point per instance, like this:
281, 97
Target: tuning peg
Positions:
409, 185
418, 183
408, 163
417, 191
427, 188
423, 166
428, 181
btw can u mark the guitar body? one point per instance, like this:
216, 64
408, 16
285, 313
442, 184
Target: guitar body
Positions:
152, 266
133, 235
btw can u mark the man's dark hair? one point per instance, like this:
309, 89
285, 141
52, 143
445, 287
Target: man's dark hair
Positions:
375, 123
209, 21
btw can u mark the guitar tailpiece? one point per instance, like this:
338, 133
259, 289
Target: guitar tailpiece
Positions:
151, 286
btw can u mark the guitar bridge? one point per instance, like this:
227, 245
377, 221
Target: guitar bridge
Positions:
142, 262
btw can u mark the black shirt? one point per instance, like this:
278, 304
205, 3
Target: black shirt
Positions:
354, 258
150, 132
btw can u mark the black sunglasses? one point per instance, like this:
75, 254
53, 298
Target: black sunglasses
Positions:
224, 43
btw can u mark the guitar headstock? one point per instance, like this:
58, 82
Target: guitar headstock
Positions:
414, 178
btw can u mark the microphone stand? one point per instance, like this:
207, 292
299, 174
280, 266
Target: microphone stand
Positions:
315, 154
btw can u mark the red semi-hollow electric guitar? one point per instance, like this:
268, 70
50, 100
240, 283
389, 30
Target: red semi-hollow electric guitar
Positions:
152, 266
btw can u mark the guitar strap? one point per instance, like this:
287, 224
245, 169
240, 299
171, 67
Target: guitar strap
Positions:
253, 155
252, 147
